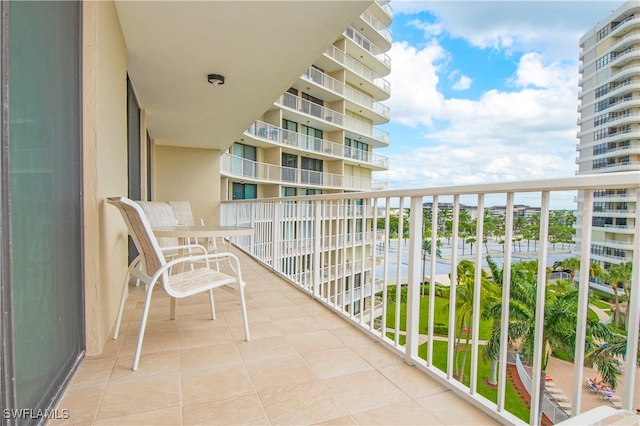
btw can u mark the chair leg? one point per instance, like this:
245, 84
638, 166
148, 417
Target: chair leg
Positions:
134, 264
243, 306
213, 309
173, 307
143, 325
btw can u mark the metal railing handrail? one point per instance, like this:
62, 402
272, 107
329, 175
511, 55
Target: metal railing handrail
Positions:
358, 68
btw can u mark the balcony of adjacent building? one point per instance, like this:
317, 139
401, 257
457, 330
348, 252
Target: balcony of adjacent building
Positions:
367, 52
374, 29
264, 134
330, 90
358, 73
300, 110
382, 10
244, 170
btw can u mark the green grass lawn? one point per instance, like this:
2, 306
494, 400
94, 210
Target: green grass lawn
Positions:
440, 316
600, 303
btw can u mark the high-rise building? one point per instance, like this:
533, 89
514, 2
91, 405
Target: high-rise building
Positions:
319, 136
609, 129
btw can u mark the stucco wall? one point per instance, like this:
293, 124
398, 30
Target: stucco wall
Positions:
105, 167
190, 174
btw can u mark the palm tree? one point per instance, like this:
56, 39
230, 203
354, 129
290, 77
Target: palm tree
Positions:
606, 358
426, 249
616, 275
464, 306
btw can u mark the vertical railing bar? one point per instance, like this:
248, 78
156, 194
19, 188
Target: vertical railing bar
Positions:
399, 270
506, 297
413, 281
631, 367
583, 301
277, 217
363, 245
477, 294
432, 278
374, 261
385, 268
538, 345
332, 254
352, 290
344, 255
452, 287
317, 251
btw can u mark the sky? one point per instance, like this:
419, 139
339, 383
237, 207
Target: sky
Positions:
485, 91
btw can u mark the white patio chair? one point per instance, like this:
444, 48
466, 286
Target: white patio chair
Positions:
184, 216
155, 269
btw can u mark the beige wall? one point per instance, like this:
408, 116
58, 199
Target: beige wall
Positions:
105, 167
189, 174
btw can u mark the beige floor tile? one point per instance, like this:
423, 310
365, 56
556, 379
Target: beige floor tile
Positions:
275, 301
234, 317
257, 330
152, 342
351, 336
344, 420
331, 320
314, 341
279, 372
267, 348
314, 308
81, 403
240, 410
412, 381
300, 403
196, 322
164, 325
285, 312
204, 336
376, 354
111, 347
298, 325
215, 384
365, 391
335, 362
94, 371
210, 356
452, 410
164, 416
140, 394
405, 413
153, 363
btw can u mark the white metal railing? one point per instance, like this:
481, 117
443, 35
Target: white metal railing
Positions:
288, 138
376, 25
384, 4
368, 45
358, 68
392, 271
320, 112
348, 92
242, 168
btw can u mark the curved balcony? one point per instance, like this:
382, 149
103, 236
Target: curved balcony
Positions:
372, 82
384, 6
325, 118
377, 25
373, 110
332, 150
370, 54
248, 170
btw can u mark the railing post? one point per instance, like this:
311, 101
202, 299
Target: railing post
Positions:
275, 237
317, 237
477, 290
413, 286
539, 344
630, 367
453, 287
583, 301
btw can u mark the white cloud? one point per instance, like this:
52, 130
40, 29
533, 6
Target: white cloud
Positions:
463, 83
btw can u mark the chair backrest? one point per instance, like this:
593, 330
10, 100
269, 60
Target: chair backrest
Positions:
182, 212
141, 233
160, 214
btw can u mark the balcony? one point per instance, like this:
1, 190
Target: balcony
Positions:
328, 119
414, 340
375, 111
253, 171
369, 53
304, 364
331, 150
370, 81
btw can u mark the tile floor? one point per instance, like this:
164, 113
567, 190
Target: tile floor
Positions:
303, 365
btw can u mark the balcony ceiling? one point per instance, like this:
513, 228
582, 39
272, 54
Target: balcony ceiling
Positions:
261, 47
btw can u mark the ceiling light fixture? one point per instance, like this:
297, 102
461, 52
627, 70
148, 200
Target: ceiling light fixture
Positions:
215, 79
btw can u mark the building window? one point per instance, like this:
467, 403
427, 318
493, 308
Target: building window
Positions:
288, 191
314, 106
603, 33
289, 167
245, 151
600, 149
311, 170
360, 150
244, 191
600, 163
311, 138
308, 191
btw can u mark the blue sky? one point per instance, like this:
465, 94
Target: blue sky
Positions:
485, 91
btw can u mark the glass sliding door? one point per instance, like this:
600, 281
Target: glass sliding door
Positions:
40, 175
